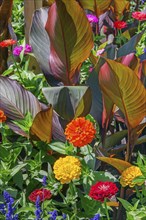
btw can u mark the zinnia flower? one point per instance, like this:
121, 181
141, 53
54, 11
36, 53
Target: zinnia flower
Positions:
102, 190
2, 116
139, 16
43, 194
28, 49
92, 18
128, 175
67, 169
120, 24
80, 132
17, 50
7, 43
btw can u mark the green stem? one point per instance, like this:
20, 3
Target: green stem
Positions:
138, 26
62, 196
15, 63
106, 210
2, 130
72, 190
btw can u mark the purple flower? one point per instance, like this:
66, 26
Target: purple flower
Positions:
2, 209
144, 50
96, 217
10, 209
53, 214
92, 18
38, 210
17, 50
28, 49
44, 181
64, 216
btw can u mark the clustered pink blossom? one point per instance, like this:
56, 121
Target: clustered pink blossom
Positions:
18, 49
138, 15
92, 18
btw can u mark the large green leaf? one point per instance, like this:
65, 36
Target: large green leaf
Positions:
120, 85
69, 101
71, 39
15, 101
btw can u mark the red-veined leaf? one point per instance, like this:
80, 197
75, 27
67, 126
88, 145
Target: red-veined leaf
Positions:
120, 85
42, 126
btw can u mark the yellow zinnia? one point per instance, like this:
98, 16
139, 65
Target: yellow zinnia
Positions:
67, 169
128, 175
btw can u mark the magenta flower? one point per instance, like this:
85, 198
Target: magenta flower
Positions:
17, 50
92, 18
28, 49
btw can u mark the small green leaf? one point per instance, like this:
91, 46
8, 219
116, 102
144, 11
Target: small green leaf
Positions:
126, 204
58, 147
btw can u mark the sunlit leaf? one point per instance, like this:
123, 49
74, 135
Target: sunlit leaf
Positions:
120, 165
96, 5
132, 61
42, 126
120, 6
15, 101
113, 204
71, 39
101, 6
120, 85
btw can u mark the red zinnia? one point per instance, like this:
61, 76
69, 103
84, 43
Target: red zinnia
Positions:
120, 24
80, 132
2, 116
102, 190
44, 194
139, 15
7, 43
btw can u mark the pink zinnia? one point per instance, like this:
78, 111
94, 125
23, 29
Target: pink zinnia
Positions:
17, 50
92, 18
120, 24
138, 15
102, 190
28, 49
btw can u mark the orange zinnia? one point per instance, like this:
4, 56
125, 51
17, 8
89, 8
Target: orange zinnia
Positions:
7, 43
80, 132
2, 116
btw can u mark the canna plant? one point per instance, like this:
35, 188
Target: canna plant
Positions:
112, 99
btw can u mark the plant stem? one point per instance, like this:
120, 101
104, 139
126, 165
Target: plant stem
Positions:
106, 210
120, 206
17, 69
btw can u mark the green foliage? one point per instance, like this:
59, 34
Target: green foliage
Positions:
18, 19
111, 95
